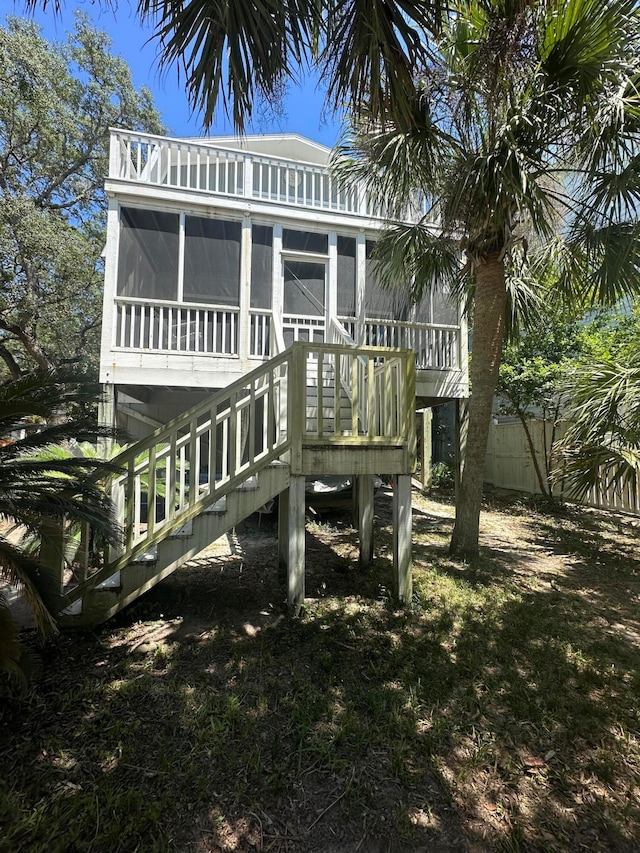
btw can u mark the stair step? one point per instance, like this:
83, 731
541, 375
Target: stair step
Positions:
218, 506
249, 485
182, 532
150, 556
112, 582
255, 494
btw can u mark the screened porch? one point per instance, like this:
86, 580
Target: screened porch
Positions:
221, 289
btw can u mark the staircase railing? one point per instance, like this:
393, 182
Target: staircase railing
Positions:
191, 463
380, 390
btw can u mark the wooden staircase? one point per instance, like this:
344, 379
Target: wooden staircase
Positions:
195, 478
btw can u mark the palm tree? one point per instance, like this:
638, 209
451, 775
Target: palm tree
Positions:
523, 143
43, 486
601, 448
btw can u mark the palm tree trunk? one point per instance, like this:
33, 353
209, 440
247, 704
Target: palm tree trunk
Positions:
488, 332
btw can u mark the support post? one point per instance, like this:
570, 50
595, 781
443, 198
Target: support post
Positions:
364, 485
292, 545
82, 557
52, 551
361, 275
283, 535
425, 450
244, 320
402, 537
107, 408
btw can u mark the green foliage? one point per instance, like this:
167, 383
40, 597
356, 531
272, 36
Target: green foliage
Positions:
442, 476
45, 487
57, 102
583, 371
536, 370
601, 449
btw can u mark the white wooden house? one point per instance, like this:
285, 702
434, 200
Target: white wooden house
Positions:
221, 254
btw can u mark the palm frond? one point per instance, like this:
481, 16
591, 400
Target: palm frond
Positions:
580, 40
601, 448
24, 571
371, 51
601, 469
47, 487
605, 260
395, 166
232, 50
10, 649
417, 259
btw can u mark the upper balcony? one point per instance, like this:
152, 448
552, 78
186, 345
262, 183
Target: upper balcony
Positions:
241, 170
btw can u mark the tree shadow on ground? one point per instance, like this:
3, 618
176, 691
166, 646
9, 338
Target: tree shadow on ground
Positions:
491, 716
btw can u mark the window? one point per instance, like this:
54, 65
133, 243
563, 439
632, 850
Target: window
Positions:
211, 261
305, 241
346, 276
148, 255
261, 266
444, 307
304, 287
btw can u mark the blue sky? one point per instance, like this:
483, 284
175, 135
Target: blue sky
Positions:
302, 109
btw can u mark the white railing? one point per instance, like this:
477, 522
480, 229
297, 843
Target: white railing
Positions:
436, 346
303, 185
181, 327
175, 327
304, 328
181, 164
344, 334
261, 333
175, 163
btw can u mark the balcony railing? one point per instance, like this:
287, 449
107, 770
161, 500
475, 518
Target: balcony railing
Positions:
437, 346
175, 327
195, 166
192, 329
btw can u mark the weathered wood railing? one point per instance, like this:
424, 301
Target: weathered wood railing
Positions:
188, 465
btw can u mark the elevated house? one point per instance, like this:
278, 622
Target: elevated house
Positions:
246, 345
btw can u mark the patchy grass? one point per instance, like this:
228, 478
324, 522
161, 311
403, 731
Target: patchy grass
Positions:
500, 713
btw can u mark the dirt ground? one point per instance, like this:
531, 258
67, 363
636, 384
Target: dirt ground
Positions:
499, 713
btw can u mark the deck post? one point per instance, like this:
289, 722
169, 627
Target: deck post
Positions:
425, 449
107, 408
402, 537
244, 301
283, 535
295, 544
364, 487
52, 551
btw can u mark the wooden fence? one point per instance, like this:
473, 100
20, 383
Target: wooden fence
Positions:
509, 466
